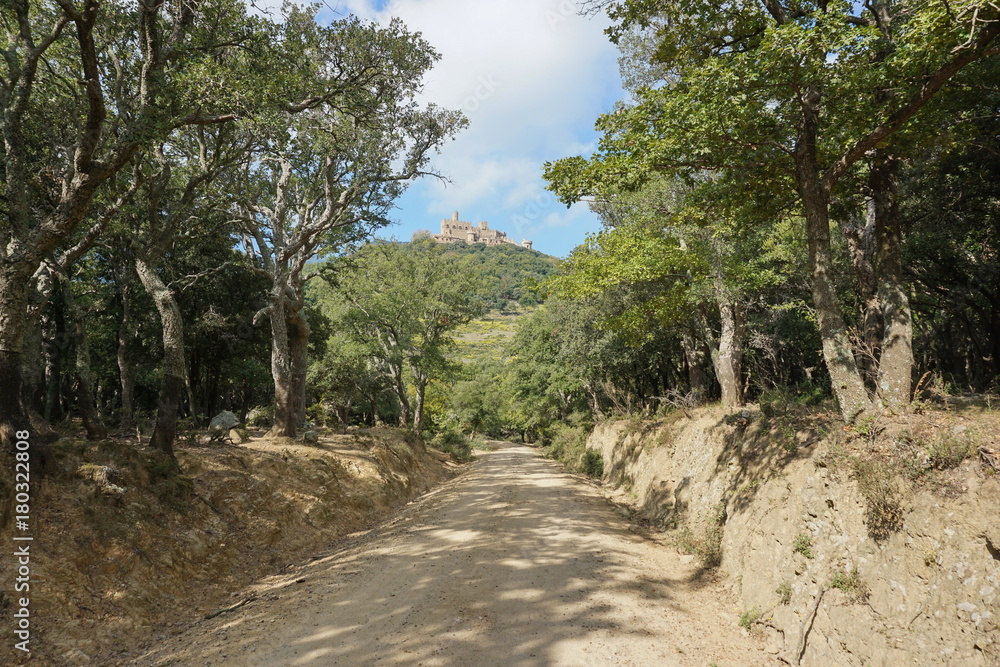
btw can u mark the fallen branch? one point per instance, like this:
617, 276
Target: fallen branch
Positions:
236, 606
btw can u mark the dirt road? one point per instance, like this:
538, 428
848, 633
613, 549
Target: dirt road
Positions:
512, 563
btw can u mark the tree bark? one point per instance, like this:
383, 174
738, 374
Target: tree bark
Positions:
861, 242
695, 356
404, 399
848, 386
730, 364
418, 407
895, 370
298, 345
172, 385
124, 369
281, 367
13, 313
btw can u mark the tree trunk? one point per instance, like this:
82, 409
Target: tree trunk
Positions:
695, 356
281, 369
95, 428
13, 312
404, 400
861, 245
172, 385
32, 361
848, 387
418, 407
298, 344
124, 369
730, 364
895, 369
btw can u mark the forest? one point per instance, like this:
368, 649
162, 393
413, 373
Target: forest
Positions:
797, 199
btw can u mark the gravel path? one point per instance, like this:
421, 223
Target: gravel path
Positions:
514, 562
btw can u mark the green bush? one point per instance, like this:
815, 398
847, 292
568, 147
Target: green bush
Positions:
568, 444
949, 451
851, 584
454, 442
593, 464
803, 545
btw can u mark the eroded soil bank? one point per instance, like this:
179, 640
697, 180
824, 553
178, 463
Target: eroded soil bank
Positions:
127, 550
877, 545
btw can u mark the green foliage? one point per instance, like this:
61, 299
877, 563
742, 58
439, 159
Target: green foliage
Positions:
750, 616
398, 306
948, 451
851, 584
593, 464
803, 545
453, 442
568, 444
511, 274
707, 546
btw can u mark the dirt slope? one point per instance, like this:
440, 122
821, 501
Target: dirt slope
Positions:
126, 551
514, 562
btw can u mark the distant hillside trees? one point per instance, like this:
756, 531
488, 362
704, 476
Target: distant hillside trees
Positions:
400, 304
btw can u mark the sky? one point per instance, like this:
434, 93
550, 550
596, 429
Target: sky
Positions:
531, 76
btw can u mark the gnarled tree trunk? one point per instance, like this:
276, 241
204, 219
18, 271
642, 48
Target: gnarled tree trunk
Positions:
298, 344
172, 386
281, 366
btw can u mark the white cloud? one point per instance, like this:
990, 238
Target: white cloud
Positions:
531, 76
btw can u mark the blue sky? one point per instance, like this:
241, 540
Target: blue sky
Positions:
531, 76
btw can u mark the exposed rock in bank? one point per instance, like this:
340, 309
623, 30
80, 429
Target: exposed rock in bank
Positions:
839, 553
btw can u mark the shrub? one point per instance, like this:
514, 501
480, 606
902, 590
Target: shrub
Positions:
593, 464
454, 442
851, 584
803, 545
949, 451
708, 546
884, 510
749, 617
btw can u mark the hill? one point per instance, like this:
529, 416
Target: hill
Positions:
512, 271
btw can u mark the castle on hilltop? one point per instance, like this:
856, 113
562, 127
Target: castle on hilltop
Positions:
454, 230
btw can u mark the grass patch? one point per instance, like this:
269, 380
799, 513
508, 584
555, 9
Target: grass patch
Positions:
949, 451
750, 616
803, 545
708, 545
851, 584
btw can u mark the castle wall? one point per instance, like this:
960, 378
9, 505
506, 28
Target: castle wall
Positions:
454, 230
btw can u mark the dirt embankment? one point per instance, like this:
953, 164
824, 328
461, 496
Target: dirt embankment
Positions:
127, 550
876, 545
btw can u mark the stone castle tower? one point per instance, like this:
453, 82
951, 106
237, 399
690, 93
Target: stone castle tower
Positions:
454, 230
